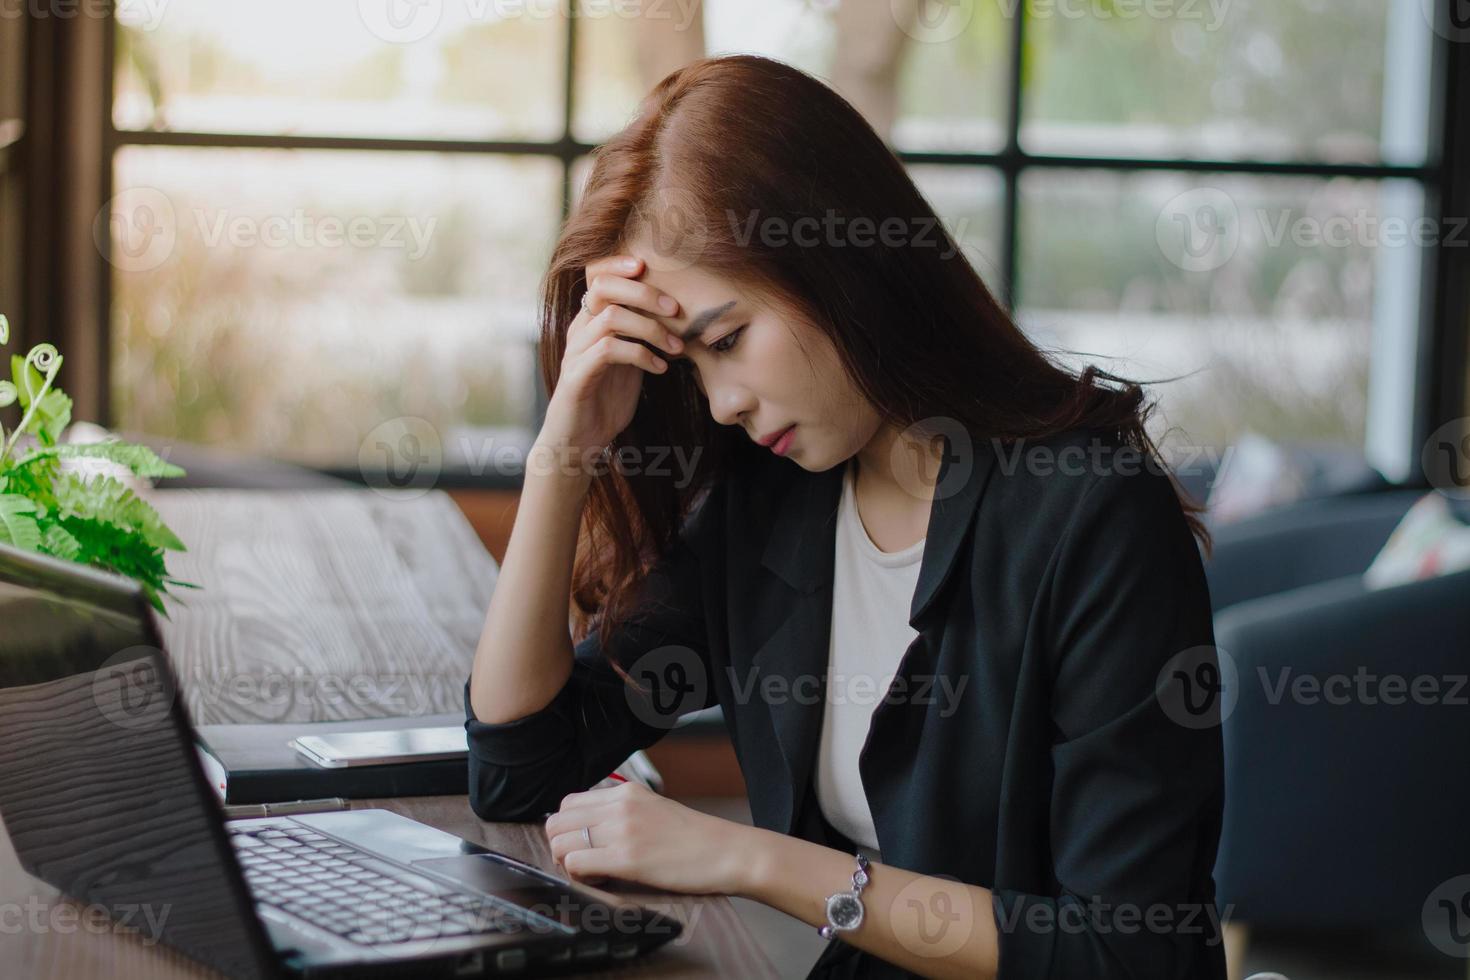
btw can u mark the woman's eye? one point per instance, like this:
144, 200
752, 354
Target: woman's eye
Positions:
725, 343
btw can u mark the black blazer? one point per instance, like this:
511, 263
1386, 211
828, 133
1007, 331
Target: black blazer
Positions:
1063, 777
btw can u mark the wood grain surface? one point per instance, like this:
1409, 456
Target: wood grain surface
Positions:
327, 605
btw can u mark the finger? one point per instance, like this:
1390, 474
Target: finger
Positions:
572, 819
621, 321
613, 320
604, 290
600, 862
618, 265
612, 350
568, 841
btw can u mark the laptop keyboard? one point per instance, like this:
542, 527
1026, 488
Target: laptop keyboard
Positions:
364, 900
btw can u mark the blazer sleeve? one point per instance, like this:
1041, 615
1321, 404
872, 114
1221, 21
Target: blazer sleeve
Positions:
520, 769
1137, 785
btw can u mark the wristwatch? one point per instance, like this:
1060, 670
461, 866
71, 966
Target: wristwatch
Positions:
845, 909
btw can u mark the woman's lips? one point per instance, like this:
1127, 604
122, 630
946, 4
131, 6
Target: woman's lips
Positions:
783, 444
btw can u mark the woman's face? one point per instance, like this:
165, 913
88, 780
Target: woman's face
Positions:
761, 368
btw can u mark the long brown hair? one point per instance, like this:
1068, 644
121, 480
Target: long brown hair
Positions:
724, 141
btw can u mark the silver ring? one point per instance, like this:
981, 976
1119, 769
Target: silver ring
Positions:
587, 835
584, 302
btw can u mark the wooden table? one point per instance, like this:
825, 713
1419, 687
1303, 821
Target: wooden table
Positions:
384, 593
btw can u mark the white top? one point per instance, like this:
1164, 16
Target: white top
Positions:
872, 591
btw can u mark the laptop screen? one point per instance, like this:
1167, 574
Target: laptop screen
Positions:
100, 789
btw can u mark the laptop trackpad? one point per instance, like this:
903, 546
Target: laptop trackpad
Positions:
485, 874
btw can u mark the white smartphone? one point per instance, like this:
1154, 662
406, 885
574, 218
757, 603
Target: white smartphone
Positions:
382, 748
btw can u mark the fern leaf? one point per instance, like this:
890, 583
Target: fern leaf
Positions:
58, 541
18, 525
140, 459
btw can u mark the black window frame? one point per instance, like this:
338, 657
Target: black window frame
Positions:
1444, 177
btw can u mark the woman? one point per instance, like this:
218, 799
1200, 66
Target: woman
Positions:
940, 586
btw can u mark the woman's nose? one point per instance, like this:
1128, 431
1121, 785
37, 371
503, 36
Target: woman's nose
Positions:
728, 405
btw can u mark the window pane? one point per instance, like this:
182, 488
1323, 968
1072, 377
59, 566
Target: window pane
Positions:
1337, 80
289, 302
953, 81
1272, 289
12, 66
941, 80
609, 80
343, 69
968, 202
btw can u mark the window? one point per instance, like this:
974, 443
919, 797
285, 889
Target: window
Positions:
1231, 194
12, 127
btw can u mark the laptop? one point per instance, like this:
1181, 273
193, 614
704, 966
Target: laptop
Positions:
103, 796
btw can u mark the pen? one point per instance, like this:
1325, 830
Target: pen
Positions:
285, 809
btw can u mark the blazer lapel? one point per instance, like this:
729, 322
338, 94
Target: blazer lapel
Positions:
790, 666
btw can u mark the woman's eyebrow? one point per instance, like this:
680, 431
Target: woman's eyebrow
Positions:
704, 321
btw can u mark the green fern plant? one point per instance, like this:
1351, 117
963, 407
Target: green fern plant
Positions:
96, 521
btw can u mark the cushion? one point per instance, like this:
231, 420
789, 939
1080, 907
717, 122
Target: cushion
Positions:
1429, 541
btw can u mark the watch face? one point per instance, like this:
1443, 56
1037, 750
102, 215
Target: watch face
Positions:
844, 911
